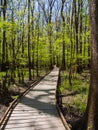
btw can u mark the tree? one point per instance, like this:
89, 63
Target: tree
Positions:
29, 50
4, 35
90, 118
92, 123
63, 35
37, 41
48, 13
51, 4
32, 22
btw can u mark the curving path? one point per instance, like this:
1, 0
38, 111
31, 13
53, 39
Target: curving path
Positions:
37, 109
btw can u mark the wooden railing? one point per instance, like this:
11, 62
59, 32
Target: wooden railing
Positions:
59, 104
8, 112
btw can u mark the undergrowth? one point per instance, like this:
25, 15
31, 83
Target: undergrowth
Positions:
75, 95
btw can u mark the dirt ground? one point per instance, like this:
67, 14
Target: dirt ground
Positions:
3, 109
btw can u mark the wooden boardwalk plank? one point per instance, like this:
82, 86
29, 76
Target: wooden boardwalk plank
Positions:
37, 109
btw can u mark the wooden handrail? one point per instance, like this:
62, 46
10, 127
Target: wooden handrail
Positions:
67, 126
12, 105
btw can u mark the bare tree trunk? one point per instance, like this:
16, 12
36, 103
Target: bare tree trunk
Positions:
23, 32
4, 4
32, 12
63, 36
51, 3
76, 15
92, 123
0, 32
76, 26
80, 40
13, 39
0, 7
38, 34
84, 44
71, 47
29, 50
37, 63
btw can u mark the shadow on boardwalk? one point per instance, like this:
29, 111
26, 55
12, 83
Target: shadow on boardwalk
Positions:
40, 106
37, 108
42, 97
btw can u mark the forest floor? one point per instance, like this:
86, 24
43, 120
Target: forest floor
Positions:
74, 98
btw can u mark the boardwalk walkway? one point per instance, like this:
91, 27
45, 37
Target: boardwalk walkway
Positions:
37, 109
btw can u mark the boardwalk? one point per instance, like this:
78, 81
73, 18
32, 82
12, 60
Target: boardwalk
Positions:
37, 109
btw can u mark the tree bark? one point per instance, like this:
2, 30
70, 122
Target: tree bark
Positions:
63, 36
4, 3
29, 50
33, 44
92, 123
51, 4
81, 32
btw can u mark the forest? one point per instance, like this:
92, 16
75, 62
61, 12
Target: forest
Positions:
35, 35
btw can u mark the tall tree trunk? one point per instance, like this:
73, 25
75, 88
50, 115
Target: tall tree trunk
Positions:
0, 7
32, 13
76, 14
71, 47
50, 36
85, 40
76, 26
80, 40
0, 31
38, 34
13, 38
63, 36
89, 53
37, 63
92, 123
81, 24
29, 50
51, 4
4, 3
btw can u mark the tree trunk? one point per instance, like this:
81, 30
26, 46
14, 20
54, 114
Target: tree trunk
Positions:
76, 14
29, 50
4, 37
76, 27
50, 37
13, 40
71, 46
92, 123
63, 36
51, 4
33, 44
81, 41
0, 32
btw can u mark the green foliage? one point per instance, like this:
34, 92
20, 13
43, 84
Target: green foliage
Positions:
2, 74
46, 39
